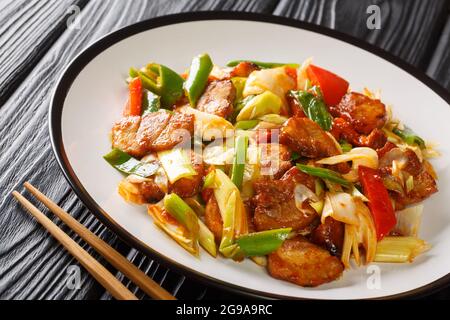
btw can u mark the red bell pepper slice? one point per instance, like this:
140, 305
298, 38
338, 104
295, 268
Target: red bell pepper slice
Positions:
134, 104
379, 202
332, 86
291, 72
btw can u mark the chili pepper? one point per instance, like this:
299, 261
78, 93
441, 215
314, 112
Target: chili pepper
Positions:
409, 137
134, 104
162, 81
380, 204
323, 173
125, 163
314, 108
262, 243
263, 65
197, 79
333, 87
246, 124
150, 102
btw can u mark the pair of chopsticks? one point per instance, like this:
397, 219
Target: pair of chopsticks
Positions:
97, 270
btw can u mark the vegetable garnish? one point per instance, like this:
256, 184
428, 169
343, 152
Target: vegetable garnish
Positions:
246, 124
150, 102
134, 105
127, 164
262, 243
409, 137
162, 81
196, 82
314, 108
379, 202
237, 171
263, 65
399, 249
332, 86
323, 173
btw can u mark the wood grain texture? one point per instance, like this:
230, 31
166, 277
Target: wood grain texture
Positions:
439, 68
32, 264
409, 28
28, 30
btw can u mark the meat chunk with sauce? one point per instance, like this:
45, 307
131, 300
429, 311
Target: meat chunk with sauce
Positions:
275, 206
243, 69
365, 114
124, 136
213, 218
296, 176
424, 186
179, 130
303, 263
329, 235
275, 159
218, 98
189, 187
152, 124
307, 138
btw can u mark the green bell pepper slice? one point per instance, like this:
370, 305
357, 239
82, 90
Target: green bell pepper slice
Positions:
150, 102
263, 65
323, 173
125, 163
262, 243
314, 108
162, 81
199, 71
410, 137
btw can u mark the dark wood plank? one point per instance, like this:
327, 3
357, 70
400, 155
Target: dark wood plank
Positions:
409, 28
32, 264
439, 68
27, 31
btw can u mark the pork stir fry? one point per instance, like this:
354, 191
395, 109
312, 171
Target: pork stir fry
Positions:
277, 162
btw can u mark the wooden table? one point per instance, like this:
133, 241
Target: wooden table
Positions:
35, 47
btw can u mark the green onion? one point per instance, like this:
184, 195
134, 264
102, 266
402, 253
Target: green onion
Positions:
237, 171
246, 124
263, 65
125, 163
345, 146
409, 137
323, 173
314, 108
262, 243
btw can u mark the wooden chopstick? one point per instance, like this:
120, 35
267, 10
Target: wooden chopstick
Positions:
148, 285
99, 272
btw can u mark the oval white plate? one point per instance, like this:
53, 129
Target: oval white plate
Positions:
91, 94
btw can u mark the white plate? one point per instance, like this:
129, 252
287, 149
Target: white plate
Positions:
91, 94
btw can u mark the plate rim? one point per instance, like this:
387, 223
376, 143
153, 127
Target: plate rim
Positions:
78, 63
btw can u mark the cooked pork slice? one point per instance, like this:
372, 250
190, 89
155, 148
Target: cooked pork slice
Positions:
364, 113
152, 125
179, 130
213, 218
297, 176
243, 69
275, 159
304, 263
275, 207
218, 98
329, 235
424, 186
124, 136
307, 138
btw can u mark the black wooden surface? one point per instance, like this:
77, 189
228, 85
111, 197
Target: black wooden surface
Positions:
35, 47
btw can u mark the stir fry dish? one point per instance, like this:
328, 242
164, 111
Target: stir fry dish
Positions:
281, 163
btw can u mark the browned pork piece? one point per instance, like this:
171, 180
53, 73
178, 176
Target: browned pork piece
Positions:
329, 235
307, 138
213, 218
275, 159
297, 176
189, 187
243, 69
275, 207
156, 131
124, 136
365, 114
303, 263
423, 186
218, 98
